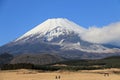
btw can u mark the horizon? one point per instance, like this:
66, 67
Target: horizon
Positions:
18, 17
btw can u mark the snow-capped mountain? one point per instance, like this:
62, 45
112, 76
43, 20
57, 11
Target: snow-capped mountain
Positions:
58, 36
51, 29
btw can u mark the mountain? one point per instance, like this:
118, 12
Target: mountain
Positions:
61, 37
40, 59
5, 58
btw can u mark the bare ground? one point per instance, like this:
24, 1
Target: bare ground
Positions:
22, 74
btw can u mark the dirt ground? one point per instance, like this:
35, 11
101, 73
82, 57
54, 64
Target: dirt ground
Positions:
22, 74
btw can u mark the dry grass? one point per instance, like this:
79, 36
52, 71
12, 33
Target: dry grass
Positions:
65, 75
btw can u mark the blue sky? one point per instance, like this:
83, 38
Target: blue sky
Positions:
19, 16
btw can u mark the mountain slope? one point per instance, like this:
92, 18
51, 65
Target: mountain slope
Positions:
58, 36
5, 58
53, 28
38, 59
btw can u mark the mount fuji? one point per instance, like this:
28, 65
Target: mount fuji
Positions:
60, 38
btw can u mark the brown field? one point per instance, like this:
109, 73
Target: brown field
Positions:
114, 74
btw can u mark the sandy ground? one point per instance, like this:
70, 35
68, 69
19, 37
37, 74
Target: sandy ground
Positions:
64, 75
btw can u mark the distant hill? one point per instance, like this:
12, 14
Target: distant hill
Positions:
109, 62
74, 65
5, 58
36, 59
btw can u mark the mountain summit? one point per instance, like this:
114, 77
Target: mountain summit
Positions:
59, 37
54, 28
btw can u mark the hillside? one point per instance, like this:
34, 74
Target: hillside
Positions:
74, 65
112, 61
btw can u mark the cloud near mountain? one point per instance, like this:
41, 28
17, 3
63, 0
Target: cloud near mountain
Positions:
106, 34
62, 38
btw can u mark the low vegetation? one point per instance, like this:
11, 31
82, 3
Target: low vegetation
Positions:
73, 65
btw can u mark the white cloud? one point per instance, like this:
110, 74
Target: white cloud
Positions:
106, 34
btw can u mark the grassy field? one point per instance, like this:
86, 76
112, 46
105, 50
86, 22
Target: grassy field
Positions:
23, 74
67, 70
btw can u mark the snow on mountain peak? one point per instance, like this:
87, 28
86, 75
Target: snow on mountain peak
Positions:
54, 27
57, 35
